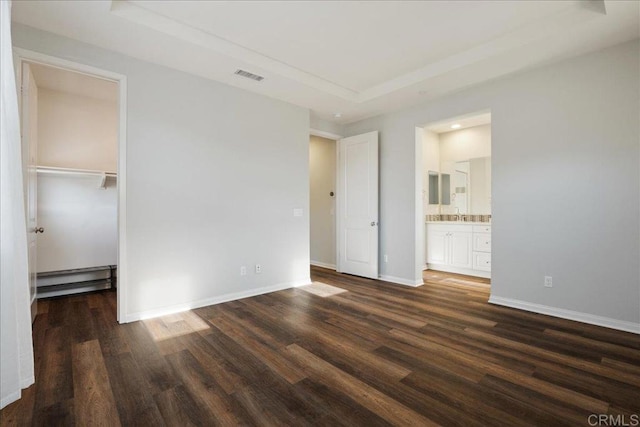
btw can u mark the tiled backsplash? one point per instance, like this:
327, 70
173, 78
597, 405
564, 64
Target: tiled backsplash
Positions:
461, 218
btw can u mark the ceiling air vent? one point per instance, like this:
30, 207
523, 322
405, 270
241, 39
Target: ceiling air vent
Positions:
249, 75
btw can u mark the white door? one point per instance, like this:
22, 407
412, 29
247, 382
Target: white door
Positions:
357, 222
29, 101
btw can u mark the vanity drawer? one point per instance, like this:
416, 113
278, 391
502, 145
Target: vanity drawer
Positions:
482, 242
482, 261
482, 229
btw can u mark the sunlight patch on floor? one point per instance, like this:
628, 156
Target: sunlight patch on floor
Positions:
322, 289
175, 325
467, 282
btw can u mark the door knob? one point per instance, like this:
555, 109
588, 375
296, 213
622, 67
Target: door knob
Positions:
38, 230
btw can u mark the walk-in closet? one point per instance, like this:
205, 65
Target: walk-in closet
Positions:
70, 142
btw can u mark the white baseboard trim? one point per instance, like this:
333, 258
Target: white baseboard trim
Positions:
607, 322
425, 267
212, 301
323, 264
401, 281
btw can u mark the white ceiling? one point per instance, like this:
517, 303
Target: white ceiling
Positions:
53, 78
463, 122
359, 58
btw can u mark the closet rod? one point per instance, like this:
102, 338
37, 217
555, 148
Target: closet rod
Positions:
71, 171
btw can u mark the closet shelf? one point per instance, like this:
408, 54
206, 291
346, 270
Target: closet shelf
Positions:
101, 175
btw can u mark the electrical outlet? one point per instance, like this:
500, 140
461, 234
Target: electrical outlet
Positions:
243, 270
386, 258
258, 269
548, 282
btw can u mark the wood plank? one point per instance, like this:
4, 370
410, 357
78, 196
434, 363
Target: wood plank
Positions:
564, 414
131, 391
342, 408
61, 413
94, 403
469, 397
55, 383
598, 369
203, 389
377, 402
224, 373
494, 369
615, 350
153, 366
179, 409
270, 357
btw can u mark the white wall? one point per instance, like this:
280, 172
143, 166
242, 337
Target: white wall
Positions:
213, 176
77, 131
566, 184
80, 222
80, 219
325, 126
431, 162
480, 185
322, 206
464, 144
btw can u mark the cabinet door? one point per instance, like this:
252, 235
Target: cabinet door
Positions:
436, 247
460, 249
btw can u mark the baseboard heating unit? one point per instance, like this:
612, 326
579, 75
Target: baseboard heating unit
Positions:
67, 282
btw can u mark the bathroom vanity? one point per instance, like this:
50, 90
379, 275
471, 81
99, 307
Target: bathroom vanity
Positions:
459, 247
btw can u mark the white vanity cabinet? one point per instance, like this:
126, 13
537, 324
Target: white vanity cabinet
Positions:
482, 248
459, 248
449, 245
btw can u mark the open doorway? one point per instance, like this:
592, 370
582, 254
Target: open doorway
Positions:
73, 140
322, 201
456, 195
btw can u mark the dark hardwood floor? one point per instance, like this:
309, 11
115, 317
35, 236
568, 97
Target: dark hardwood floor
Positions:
379, 354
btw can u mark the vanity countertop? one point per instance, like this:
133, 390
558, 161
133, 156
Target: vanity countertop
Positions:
459, 223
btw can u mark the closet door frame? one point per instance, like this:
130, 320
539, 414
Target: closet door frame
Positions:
23, 55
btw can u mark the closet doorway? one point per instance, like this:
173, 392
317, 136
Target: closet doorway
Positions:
322, 201
73, 162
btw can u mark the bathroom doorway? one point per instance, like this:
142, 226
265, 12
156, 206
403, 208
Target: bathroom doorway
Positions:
455, 208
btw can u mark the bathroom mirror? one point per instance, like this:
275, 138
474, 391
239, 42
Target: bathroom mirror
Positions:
471, 190
446, 189
434, 196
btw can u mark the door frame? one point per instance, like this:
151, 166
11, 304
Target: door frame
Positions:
24, 55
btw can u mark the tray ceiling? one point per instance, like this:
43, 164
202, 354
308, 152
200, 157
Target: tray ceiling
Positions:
358, 58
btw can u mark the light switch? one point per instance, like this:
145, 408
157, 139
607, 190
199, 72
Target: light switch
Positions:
297, 212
